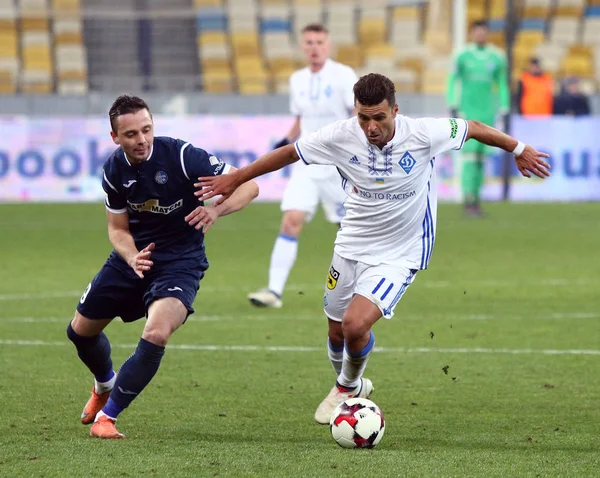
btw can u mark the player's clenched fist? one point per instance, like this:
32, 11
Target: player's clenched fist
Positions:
141, 261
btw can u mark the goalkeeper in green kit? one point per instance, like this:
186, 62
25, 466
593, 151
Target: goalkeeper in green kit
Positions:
480, 69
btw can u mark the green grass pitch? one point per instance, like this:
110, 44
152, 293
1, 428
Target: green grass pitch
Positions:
510, 308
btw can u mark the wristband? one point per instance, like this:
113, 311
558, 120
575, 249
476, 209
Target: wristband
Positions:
518, 151
280, 144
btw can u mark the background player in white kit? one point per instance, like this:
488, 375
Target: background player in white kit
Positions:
388, 232
320, 94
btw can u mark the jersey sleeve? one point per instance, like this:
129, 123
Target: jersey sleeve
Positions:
317, 147
114, 201
445, 134
195, 163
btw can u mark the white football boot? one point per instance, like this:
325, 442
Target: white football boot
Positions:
335, 397
265, 298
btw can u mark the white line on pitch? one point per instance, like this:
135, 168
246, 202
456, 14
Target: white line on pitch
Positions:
320, 287
299, 348
281, 317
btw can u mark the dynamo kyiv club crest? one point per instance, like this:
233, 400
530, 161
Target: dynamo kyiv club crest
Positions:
407, 162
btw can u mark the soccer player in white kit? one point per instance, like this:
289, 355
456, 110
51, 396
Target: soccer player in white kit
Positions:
320, 94
387, 235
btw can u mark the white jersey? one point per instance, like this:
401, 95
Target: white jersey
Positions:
392, 199
322, 98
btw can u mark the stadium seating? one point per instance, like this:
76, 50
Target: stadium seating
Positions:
37, 64
70, 54
251, 46
9, 58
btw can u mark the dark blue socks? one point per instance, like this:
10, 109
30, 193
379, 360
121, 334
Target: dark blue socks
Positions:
134, 375
94, 352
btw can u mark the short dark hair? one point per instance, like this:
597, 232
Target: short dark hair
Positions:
315, 27
124, 105
372, 89
480, 23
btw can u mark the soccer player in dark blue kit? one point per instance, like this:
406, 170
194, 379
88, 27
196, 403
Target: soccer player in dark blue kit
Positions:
157, 227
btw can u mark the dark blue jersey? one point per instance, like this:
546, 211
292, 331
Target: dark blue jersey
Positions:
158, 194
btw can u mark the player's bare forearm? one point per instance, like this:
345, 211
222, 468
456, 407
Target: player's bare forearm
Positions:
272, 161
226, 184
239, 199
491, 136
528, 160
123, 242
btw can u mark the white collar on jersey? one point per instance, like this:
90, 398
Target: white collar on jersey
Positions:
147, 159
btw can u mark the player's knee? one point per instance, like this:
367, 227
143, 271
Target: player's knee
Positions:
83, 327
292, 223
354, 328
157, 335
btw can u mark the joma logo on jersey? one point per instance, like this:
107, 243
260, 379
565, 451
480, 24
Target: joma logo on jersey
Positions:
218, 169
453, 128
152, 205
332, 278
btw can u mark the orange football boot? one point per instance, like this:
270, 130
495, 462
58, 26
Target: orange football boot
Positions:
104, 427
93, 406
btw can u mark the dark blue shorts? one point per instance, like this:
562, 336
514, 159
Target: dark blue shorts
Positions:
117, 291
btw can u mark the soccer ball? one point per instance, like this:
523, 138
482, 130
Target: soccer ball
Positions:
357, 423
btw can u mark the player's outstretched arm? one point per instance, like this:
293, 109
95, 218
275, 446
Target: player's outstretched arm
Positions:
205, 216
240, 198
527, 158
122, 240
226, 184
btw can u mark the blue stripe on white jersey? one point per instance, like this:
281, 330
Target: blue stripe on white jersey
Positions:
465, 134
400, 293
344, 179
297, 146
428, 238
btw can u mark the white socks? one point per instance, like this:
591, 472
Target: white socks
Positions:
353, 366
103, 387
336, 357
102, 414
282, 260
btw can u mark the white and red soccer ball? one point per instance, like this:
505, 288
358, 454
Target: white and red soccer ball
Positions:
357, 423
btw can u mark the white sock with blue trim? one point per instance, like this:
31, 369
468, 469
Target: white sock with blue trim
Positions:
336, 357
353, 366
283, 258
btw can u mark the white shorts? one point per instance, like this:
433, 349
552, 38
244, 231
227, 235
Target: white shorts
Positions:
384, 285
312, 184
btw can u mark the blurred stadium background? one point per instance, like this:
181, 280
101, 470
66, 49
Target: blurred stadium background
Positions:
249, 46
224, 65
